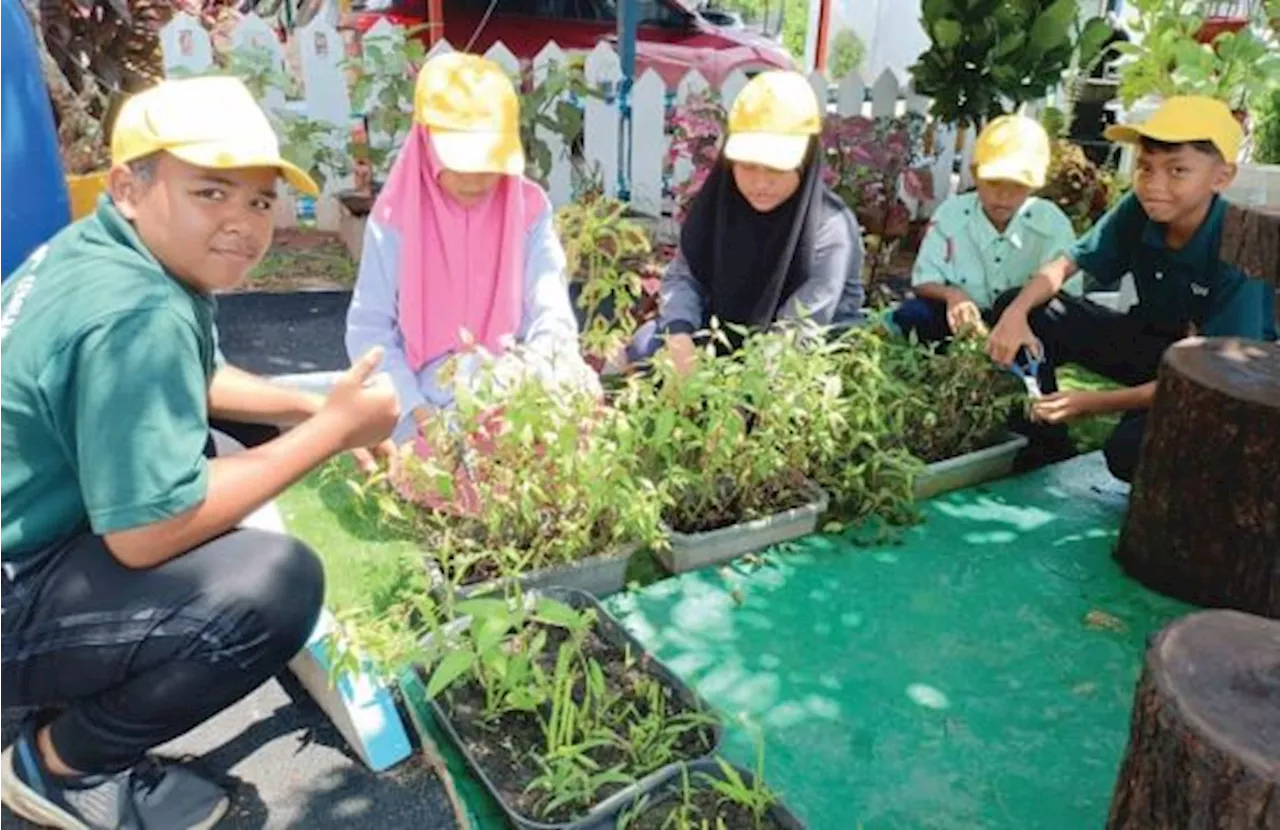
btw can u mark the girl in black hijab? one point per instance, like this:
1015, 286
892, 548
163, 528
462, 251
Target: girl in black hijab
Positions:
765, 239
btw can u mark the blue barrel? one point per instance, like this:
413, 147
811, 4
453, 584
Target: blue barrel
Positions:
33, 191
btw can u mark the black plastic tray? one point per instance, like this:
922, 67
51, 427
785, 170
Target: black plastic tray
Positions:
602, 814
669, 789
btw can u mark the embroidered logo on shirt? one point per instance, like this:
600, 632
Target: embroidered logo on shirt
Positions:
1199, 290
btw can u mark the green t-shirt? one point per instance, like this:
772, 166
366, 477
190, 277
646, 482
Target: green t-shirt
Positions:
103, 388
1177, 288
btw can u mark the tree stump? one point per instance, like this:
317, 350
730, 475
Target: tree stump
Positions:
1204, 746
1251, 242
1204, 513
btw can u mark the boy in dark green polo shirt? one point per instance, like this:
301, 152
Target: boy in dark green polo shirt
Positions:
134, 608
1167, 233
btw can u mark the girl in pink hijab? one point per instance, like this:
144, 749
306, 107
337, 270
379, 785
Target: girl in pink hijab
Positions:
460, 252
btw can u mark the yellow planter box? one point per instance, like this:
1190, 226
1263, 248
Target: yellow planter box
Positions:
83, 192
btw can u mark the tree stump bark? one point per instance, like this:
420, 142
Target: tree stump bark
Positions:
1204, 513
1251, 241
1204, 746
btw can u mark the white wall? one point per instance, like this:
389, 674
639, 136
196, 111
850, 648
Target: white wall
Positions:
890, 28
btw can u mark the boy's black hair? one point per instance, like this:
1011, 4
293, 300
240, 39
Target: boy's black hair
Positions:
1152, 145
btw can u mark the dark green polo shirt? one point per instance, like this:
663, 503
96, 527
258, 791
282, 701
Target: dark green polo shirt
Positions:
1190, 285
103, 388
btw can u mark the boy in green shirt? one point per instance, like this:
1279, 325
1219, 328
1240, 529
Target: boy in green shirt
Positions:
134, 608
981, 244
1167, 234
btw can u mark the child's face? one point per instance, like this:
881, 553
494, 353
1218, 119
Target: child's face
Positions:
1174, 184
765, 188
208, 228
1001, 200
468, 189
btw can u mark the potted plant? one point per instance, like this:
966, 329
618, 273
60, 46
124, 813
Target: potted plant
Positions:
525, 480
711, 793
1167, 58
81, 44
559, 712
608, 257
729, 445
986, 55
950, 409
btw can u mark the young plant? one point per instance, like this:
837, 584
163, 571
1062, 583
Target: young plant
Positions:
735, 437
947, 403
524, 474
606, 252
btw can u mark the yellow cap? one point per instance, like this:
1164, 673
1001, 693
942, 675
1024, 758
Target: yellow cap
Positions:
468, 105
1185, 118
773, 120
1012, 148
211, 122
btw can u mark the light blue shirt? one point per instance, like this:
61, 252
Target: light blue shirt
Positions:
547, 324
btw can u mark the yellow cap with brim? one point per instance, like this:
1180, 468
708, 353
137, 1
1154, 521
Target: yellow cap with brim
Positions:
1012, 148
773, 120
211, 122
470, 109
1183, 119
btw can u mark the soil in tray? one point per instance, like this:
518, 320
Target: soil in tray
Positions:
503, 748
707, 805
730, 510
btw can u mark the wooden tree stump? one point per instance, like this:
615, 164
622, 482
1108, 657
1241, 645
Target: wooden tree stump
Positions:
1204, 746
1251, 241
1204, 514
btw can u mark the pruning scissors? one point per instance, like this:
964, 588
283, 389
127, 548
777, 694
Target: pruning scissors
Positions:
1026, 366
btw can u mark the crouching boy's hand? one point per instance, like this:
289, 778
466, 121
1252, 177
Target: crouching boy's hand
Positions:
362, 408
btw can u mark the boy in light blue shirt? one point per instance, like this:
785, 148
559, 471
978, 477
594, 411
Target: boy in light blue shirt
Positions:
981, 244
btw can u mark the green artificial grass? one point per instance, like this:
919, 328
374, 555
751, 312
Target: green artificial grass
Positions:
1088, 434
361, 557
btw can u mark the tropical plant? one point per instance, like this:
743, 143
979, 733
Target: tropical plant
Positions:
315, 146
734, 438
869, 159
944, 403
525, 473
1074, 183
530, 659
696, 127
989, 56
551, 102
382, 89
1165, 57
607, 254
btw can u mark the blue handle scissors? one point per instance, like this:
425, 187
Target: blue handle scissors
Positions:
1026, 366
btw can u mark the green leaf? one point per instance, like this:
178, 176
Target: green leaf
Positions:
1091, 40
947, 33
556, 613
454, 665
483, 608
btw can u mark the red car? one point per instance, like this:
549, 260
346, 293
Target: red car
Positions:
671, 38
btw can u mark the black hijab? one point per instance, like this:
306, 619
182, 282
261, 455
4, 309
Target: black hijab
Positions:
750, 263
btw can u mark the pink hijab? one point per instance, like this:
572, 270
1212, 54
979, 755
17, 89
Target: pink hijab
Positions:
460, 268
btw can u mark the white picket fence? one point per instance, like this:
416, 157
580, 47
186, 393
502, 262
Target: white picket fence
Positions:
316, 53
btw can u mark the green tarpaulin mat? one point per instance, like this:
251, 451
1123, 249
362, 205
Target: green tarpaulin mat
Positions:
977, 673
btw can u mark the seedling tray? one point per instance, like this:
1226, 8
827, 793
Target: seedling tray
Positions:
601, 575
972, 468
600, 816
689, 551
670, 789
